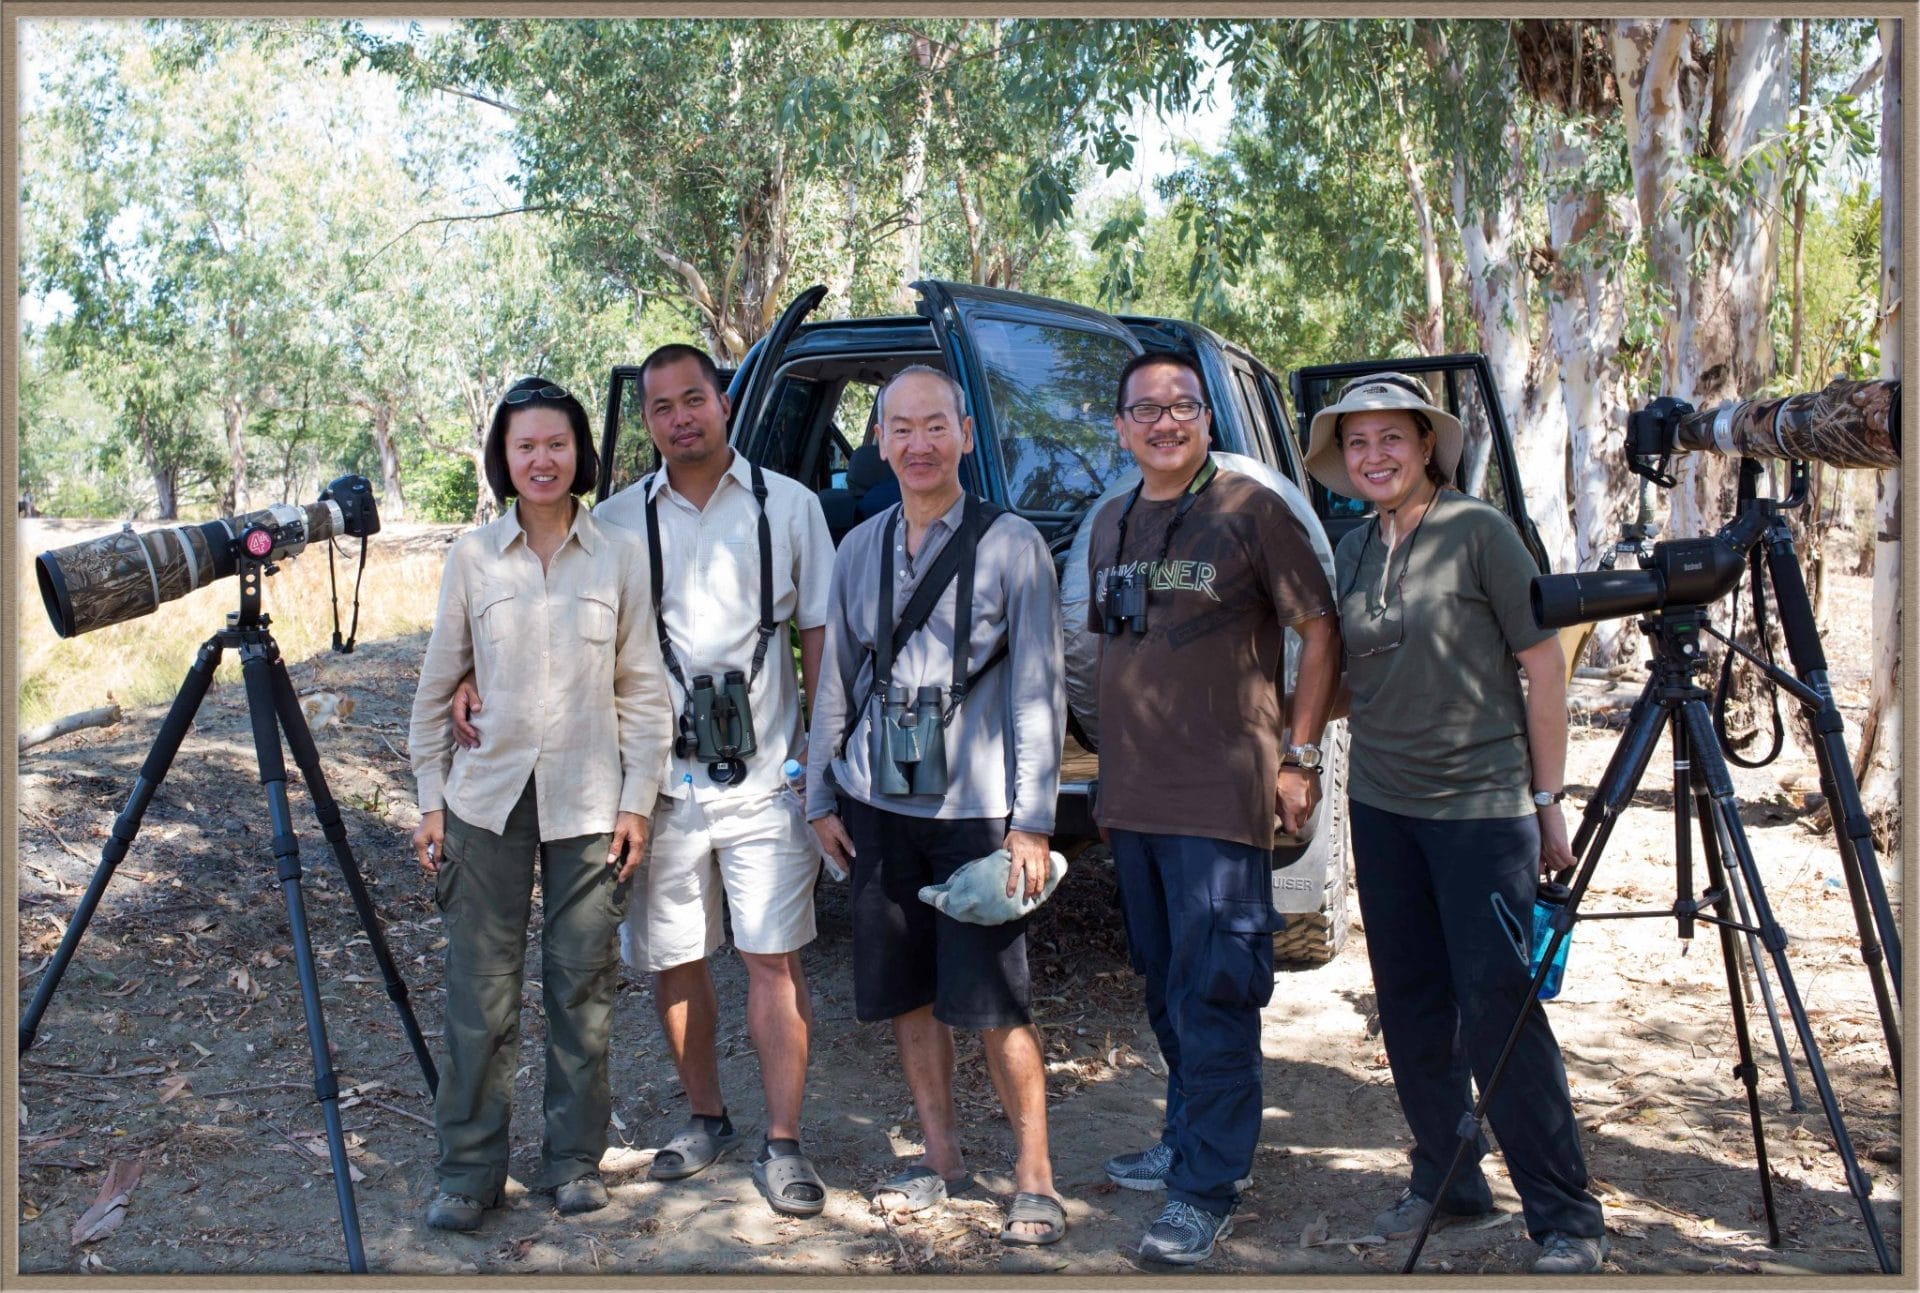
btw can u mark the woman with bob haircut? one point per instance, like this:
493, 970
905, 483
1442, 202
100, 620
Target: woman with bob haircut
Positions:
1454, 786
548, 609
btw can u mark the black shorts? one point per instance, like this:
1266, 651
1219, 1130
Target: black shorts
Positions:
906, 954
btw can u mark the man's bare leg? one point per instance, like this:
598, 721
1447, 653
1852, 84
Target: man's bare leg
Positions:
779, 1020
1015, 1060
926, 1058
683, 997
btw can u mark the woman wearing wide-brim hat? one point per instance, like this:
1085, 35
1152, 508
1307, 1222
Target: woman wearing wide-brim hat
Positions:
1454, 782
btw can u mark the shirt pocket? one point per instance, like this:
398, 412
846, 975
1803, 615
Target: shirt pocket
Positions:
594, 617
494, 614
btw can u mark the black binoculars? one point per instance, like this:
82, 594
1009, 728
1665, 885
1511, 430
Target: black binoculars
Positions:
717, 725
912, 754
1126, 602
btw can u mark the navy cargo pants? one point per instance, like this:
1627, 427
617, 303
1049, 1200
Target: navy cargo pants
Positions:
1450, 976
1200, 921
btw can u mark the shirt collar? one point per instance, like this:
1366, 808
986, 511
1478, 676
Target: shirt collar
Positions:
583, 530
738, 470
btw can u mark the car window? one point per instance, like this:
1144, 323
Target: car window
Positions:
633, 455
1256, 411
787, 426
1052, 394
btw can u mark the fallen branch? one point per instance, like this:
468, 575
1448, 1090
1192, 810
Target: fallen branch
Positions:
105, 716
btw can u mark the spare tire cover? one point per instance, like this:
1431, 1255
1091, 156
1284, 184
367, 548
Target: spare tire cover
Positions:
1083, 645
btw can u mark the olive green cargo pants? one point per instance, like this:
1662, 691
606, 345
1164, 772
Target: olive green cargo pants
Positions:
485, 890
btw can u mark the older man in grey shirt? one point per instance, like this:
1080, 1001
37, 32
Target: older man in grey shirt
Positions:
898, 823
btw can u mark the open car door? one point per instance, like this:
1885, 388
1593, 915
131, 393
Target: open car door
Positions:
1040, 377
626, 452
1462, 385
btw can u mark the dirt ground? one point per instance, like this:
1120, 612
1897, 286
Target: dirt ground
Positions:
176, 1046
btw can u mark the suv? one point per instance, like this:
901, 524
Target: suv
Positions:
1040, 377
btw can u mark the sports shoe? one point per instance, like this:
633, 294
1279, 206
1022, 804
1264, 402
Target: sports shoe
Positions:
1565, 1254
1409, 1213
1147, 1169
581, 1194
453, 1212
1184, 1235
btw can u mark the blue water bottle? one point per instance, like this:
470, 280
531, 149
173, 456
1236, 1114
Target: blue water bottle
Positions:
1548, 899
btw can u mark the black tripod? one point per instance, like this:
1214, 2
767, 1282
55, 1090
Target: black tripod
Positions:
274, 709
1673, 701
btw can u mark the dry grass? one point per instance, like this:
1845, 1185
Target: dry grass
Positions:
142, 661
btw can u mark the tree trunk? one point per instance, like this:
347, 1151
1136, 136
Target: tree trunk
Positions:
233, 413
913, 179
1586, 313
1877, 762
1499, 288
1429, 331
393, 503
166, 498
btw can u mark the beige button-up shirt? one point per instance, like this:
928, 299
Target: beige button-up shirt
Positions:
569, 669
710, 569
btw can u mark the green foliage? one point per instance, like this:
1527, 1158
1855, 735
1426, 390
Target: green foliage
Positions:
445, 490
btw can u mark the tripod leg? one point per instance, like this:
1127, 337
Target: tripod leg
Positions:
1796, 1103
256, 670
1745, 1070
166, 744
1853, 831
1726, 810
293, 724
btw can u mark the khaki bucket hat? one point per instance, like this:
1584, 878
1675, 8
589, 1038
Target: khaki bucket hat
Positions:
1326, 463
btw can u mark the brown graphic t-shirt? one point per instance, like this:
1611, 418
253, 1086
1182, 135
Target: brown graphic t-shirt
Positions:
1190, 710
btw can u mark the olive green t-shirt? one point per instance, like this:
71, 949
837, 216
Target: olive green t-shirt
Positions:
1438, 723
1190, 710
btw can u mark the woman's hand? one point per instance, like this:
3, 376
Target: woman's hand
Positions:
630, 841
1555, 854
466, 703
429, 840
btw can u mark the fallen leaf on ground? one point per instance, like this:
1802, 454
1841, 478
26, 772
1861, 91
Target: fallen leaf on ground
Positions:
110, 1205
1316, 1231
173, 1087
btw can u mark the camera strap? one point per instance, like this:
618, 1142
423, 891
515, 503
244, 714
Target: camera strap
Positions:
333, 593
768, 625
1723, 689
1208, 473
955, 562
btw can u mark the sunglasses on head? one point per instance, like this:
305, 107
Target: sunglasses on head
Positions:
528, 394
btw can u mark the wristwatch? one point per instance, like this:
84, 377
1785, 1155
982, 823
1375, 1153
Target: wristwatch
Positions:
1547, 798
1306, 757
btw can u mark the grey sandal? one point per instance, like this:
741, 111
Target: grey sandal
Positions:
922, 1187
786, 1176
1042, 1209
693, 1149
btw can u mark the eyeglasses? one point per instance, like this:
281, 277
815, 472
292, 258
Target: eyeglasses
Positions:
1147, 414
528, 394
1400, 380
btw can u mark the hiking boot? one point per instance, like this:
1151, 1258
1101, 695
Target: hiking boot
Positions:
1409, 1213
1147, 1169
1565, 1254
453, 1212
581, 1194
1184, 1235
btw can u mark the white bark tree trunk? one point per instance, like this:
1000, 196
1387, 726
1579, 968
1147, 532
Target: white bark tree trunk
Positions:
1429, 330
393, 503
1883, 736
1499, 290
1586, 313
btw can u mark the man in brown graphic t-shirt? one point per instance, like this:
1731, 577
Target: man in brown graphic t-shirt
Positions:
1194, 577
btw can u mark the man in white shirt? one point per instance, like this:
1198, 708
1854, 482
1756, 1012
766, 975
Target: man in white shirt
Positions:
740, 554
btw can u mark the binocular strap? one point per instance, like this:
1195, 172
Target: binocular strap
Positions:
768, 625
1208, 473
955, 562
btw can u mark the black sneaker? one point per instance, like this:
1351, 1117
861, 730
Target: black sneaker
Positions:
1184, 1235
1565, 1254
453, 1212
1147, 1169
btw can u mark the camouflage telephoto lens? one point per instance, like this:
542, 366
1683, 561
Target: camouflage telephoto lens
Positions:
123, 576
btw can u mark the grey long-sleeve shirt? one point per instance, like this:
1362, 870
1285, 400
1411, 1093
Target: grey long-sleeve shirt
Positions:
1003, 745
